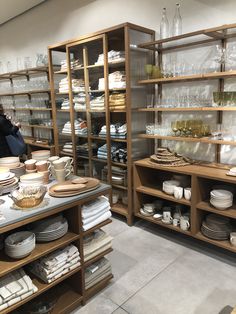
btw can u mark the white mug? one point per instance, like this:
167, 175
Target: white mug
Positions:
62, 174
59, 164
233, 238
167, 216
178, 192
175, 222
184, 223
187, 194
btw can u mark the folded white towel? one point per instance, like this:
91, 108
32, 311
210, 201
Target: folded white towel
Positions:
97, 221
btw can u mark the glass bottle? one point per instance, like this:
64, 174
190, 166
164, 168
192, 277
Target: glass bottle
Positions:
177, 22
164, 26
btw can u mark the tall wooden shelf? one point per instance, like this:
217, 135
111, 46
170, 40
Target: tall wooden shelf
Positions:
69, 290
28, 74
147, 174
124, 37
217, 35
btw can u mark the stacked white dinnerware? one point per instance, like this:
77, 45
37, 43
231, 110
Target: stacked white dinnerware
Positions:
8, 180
50, 229
10, 162
216, 227
32, 179
169, 186
40, 155
221, 199
148, 209
19, 244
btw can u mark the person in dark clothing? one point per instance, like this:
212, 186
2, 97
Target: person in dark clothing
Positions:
6, 128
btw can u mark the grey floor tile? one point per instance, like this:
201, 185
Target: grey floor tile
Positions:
116, 227
120, 311
193, 284
98, 305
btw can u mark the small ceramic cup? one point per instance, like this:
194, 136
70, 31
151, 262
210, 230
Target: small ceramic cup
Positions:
68, 160
178, 192
233, 238
46, 176
167, 216
175, 222
59, 164
187, 194
42, 165
184, 223
53, 158
61, 174
30, 164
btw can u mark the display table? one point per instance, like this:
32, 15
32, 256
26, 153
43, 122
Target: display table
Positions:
71, 292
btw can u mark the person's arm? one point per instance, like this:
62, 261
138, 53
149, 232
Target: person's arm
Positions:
6, 127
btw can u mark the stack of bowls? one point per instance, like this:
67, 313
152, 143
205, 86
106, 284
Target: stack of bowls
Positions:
169, 186
221, 199
148, 209
40, 155
8, 180
32, 179
10, 162
20, 244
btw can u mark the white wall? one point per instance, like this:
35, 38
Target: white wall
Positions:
58, 20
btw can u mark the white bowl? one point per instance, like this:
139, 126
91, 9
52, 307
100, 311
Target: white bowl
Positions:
9, 160
32, 177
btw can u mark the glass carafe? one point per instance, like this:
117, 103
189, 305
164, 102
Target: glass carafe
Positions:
164, 26
39, 60
177, 22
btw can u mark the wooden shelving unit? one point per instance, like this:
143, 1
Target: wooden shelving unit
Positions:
68, 290
146, 176
87, 49
27, 75
217, 35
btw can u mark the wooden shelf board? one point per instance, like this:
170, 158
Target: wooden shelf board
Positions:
158, 193
118, 140
82, 157
8, 264
31, 109
66, 154
96, 111
31, 142
159, 222
119, 164
99, 159
37, 126
42, 287
120, 209
205, 140
186, 109
120, 187
223, 244
97, 257
189, 78
102, 224
100, 138
231, 212
195, 169
117, 110
24, 72
97, 287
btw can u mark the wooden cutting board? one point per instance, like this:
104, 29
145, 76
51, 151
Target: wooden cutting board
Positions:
92, 184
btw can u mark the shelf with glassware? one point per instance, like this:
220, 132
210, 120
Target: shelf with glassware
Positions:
166, 195
28, 91
108, 105
73, 244
217, 69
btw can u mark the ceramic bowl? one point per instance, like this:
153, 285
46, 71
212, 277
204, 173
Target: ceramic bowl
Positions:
9, 160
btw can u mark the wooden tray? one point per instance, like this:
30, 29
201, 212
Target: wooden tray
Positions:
92, 184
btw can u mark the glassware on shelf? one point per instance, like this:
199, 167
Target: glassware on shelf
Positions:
150, 128
164, 26
39, 60
27, 63
19, 65
177, 22
174, 127
148, 70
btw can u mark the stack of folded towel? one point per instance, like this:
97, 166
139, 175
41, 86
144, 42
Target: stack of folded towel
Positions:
113, 57
77, 85
56, 264
101, 84
15, 287
68, 147
96, 243
74, 64
117, 130
65, 105
117, 79
102, 152
98, 103
79, 102
83, 149
119, 155
95, 212
97, 272
117, 101
80, 127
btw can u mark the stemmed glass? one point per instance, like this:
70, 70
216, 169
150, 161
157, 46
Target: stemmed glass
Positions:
174, 127
148, 70
179, 126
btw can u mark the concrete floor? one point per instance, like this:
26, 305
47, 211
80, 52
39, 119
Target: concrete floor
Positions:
157, 271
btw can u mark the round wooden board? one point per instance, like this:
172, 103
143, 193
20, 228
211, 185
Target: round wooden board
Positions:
92, 184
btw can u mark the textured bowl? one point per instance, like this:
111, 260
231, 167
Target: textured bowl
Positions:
29, 196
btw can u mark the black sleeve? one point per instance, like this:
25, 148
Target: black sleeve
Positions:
6, 127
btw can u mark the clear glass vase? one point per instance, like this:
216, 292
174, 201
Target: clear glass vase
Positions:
164, 26
177, 22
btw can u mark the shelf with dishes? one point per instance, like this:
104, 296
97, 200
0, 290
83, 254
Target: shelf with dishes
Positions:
206, 206
156, 109
23, 73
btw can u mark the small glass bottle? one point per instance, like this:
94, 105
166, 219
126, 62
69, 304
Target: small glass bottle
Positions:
177, 22
164, 26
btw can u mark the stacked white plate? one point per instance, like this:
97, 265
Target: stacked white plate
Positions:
19, 170
33, 179
221, 199
50, 229
40, 155
168, 186
9, 162
8, 182
19, 244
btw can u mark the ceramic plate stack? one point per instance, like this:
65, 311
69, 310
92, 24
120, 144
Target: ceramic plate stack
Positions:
19, 170
10, 162
40, 155
221, 199
32, 179
8, 181
50, 229
117, 180
216, 227
19, 244
168, 186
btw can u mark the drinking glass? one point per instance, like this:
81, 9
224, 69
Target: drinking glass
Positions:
148, 70
174, 127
